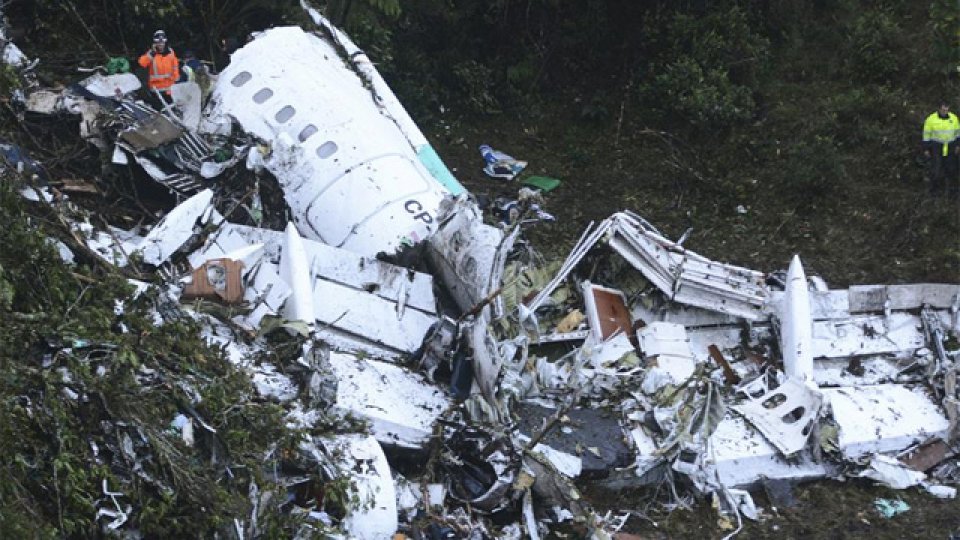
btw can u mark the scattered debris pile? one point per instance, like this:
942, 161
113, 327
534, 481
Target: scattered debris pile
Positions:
378, 358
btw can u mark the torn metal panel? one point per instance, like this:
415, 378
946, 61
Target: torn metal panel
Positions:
487, 360
468, 255
785, 414
176, 181
111, 86
152, 133
400, 405
899, 334
266, 291
359, 303
738, 456
379, 278
892, 473
361, 314
664, 339
863, 370
829, 304
682, 275
884, 298
187, 99
587, 241
883, 418
349, 174
175, 229
666, 350
685, 276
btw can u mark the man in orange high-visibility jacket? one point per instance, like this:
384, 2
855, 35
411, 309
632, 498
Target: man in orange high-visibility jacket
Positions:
163, 68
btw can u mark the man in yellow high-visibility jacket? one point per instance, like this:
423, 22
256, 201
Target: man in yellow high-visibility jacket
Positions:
941, 143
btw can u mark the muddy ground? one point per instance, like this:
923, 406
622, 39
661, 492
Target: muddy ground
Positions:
887, 230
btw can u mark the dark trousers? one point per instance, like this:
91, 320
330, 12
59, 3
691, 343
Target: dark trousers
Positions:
944, 171
159, 101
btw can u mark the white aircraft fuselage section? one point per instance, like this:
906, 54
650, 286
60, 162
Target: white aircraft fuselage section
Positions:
350, 176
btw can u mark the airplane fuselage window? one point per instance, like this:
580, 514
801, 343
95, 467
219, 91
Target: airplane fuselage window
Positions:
307, 132
241, 78
326, 149
262, 95
285, 114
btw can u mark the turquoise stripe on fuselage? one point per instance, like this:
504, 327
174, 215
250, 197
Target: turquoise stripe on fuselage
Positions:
431, 160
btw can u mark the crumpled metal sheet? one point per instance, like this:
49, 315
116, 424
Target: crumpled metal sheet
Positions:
480, 468
785, 415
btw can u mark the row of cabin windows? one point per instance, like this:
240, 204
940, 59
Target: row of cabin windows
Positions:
323, 151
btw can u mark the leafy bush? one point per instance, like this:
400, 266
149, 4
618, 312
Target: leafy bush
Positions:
475, 82
816, 171
705, 69
874, 114
701, 96
875, 44
945, 27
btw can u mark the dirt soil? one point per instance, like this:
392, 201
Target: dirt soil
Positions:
887, 232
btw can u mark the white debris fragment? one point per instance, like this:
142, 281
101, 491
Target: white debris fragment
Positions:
400, 405
295, 270
940, 492
66, 254
273, 385
739, 456
110, 86
892, 473
372, 514
883, 418
796, 325
175, 229
666, 345
184, 425
785, 415
355, 298
567, 464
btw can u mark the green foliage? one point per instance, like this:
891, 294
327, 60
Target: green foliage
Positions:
868, 115
9, 80
701, 96
156, 9
814, 171
875, 46
944, 27
476, 83
704, 69
85, 405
